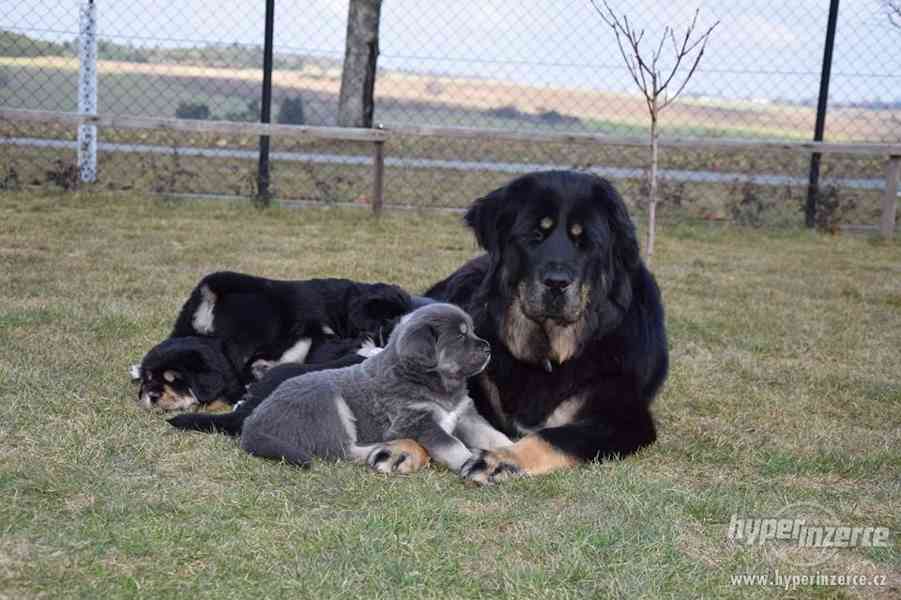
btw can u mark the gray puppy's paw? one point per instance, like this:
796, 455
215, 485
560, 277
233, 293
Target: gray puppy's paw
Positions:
399, 456
487, 468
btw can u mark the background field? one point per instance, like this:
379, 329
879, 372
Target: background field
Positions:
222, 81
785, 387
412, 99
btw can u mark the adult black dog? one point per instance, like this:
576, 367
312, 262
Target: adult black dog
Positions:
234, 326
574, 319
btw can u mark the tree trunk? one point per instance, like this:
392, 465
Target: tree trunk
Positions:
652, 193
355, 102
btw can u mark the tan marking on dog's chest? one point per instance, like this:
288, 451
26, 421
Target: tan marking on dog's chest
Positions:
522, 336
533, 342
564, 341
492, 394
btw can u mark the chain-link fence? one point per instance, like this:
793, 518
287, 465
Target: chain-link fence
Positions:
549, 66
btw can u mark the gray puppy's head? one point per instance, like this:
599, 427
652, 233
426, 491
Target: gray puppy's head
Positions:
437, 345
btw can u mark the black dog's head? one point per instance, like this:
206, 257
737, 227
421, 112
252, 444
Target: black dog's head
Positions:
181, 373
375, 313
562, 250
437, 343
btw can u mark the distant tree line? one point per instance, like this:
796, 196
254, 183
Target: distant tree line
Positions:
290, 112
233, 55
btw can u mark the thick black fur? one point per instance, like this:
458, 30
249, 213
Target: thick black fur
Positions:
255, 318
262, 318
621, 360
202, 364
232, 422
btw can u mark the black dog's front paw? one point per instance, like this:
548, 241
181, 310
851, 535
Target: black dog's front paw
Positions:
399, 456
488, 467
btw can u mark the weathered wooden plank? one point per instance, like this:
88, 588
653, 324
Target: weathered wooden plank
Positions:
670, 142
890, 197
378, 178
189, 125
383, 134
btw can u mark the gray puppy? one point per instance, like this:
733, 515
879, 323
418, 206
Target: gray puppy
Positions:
415, 388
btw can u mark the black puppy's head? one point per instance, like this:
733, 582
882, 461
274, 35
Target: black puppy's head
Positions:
181, 373
438, 342
560, 242
376, 311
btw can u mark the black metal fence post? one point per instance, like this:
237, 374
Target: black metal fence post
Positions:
263, 193
820, 126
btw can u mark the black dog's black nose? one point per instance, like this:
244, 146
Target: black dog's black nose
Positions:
154, 396
557, 281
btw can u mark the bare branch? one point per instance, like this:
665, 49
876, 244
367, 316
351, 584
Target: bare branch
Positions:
688, 48
623, 30
660, 46
691, 72
893, 12
648, 77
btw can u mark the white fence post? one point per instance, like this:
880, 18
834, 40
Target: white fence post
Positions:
87, 89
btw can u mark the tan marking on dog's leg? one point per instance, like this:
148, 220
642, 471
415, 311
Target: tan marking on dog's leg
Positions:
172, 400
217, 405
529, 456
398, 456
535, 456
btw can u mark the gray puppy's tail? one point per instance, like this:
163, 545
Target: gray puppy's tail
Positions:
266, 446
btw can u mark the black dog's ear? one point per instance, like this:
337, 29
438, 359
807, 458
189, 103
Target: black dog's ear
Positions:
625, 239
486, 219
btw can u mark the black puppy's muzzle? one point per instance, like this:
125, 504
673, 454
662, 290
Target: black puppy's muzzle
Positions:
150, 392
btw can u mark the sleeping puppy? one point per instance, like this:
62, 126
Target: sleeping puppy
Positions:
235, 326
414, 389
184, 372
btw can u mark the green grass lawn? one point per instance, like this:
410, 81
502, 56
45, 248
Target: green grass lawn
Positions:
785, 388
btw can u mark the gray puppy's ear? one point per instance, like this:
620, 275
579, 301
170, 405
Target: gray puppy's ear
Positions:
419, 344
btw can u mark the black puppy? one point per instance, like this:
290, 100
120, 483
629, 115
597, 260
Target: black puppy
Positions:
237, 326
187, 371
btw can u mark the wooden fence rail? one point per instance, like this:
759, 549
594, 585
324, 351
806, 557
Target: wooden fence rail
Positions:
379, 135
